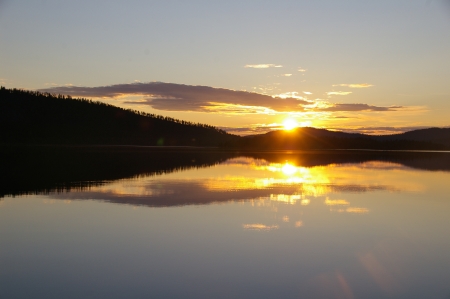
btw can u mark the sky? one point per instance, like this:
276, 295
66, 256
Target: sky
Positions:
377, 67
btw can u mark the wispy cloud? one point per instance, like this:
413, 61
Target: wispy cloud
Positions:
307, 92
380, 130
287, 75
56, 84
259, 226
339, 93
336, 202
359, 107
357, 210
262, 66
301, 70
290, 94
357, 85
4, 81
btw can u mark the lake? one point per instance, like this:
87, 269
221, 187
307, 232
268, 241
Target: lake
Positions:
190, 223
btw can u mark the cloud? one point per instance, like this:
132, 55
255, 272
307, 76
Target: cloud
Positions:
286, 75
4, 81
301, 70
262, 66
259, 226
357, 210
339, 93
179, 97
307, 92
336, 202
380, 130
341, 117
359, 85
358, 107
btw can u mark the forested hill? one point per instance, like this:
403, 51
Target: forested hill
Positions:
29, 117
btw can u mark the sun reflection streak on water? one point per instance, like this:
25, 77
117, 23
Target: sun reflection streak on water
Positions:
308, 181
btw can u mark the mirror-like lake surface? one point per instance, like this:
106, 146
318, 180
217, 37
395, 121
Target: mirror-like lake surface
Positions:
280, 225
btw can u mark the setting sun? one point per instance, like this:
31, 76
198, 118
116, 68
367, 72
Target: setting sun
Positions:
288, 169
290, 124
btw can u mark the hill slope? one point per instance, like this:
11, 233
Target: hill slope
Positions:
38, 118
435, 135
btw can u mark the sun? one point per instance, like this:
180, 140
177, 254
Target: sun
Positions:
290, 124
288, 169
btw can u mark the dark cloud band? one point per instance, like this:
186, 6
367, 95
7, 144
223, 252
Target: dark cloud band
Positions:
180, 97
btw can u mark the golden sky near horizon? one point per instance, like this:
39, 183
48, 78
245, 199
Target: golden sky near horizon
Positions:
245, 66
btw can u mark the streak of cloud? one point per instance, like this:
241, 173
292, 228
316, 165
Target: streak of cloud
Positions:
262, 66
336, 202
380, 130
358, 85
259, 226
357, 210
359, 107
339, 93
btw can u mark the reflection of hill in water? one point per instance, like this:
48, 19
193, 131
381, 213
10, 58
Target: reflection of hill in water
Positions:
39, 170
35, 170
433, 161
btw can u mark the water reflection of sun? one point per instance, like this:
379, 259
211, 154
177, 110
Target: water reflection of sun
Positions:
289, 169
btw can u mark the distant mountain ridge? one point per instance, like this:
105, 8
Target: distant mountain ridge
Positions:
307, 138
28, 117
436, 135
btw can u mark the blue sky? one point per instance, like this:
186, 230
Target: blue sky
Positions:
333, 55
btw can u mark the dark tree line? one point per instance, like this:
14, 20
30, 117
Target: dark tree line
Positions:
38, 169
32, 117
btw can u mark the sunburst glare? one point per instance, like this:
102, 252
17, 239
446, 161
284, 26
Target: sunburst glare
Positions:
290, 124
288, 169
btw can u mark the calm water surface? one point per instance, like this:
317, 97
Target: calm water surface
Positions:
240, 227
